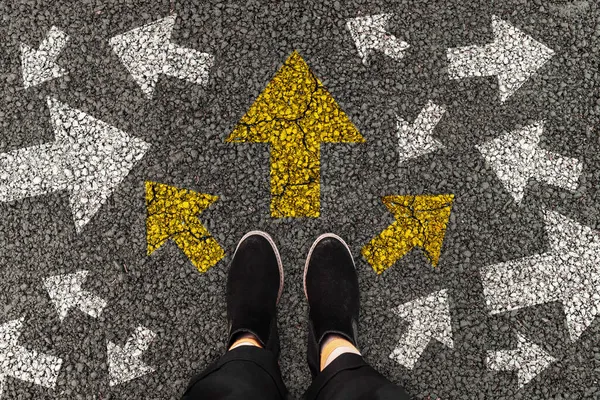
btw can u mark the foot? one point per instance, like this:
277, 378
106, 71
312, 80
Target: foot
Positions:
331, 288
254, 286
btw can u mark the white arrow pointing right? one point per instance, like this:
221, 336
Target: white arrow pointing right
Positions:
88, 158
125, 363
569, 272
39, 66
513, 56
528, 360
370, 33
65, 292
429, 318
415, 140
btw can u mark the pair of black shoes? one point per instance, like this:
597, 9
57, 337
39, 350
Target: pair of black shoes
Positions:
255, 284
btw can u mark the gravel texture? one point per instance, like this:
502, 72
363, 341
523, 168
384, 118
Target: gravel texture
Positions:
173, 317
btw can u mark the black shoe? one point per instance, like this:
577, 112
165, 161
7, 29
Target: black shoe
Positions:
254, 286
331, 288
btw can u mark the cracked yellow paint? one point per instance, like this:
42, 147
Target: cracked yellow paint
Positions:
420, 222
173, 214
295, 114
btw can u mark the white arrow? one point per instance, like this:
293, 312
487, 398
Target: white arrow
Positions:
65, 292
528, 360
20, 363
513, 56
369, 34
39, 66
147, 52
88, 158
416, 140
568, 273
515, 157
429, 318
125, 363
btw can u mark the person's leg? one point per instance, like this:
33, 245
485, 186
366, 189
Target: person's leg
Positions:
338, 369
249, 369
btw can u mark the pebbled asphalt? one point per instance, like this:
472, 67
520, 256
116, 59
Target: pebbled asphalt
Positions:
186, 125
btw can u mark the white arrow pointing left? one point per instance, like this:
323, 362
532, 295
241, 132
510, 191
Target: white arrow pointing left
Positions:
125, 363
415, 140
65, 292
39, 65
147, 52
528, 360
429, 318
20, 363
516, 158
88, 158
370, 33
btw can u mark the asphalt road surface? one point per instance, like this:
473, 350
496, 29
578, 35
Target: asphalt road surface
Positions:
453, 144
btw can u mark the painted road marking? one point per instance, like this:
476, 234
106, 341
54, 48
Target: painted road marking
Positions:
420, 222
65, 292
513, 56
528, 359
429, 318
415, 140
568, 273
295, 114
173, 214
370, 33
147, 52
88, 158
19, 363
515, 157
125, 363
39, 66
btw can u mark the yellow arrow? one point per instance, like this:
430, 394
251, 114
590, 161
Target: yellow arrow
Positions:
173, 214
420, 222
295, 114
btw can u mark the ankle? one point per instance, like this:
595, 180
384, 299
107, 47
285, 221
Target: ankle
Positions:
334, 346
245, 339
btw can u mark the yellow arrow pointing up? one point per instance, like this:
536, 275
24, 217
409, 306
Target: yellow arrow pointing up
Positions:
295, 114
173, 214
420, 222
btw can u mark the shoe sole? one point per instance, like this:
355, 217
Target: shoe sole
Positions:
275, 250
315, 243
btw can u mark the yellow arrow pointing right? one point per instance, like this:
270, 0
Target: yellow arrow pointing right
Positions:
420, 222
173, 214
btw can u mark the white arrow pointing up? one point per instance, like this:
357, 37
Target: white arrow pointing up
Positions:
39, 66
20, 363
88, 158
429, 318
65, 292
369, 34
528, 360
416, 140
125, 363
513, 56
147, 52
515, 157
568, 273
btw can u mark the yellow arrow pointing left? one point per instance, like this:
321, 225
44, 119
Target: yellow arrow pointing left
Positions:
173, 214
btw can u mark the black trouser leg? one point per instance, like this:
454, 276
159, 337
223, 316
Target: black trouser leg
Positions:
349, 377
246, 372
